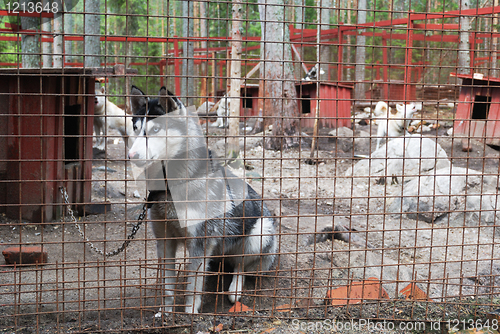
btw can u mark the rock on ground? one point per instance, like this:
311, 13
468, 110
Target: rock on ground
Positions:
454, 190
346, 139
403, 156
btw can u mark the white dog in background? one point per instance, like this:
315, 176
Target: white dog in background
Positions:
222, 108
393, 123
110, 116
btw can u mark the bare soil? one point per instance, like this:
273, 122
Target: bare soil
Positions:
82, 291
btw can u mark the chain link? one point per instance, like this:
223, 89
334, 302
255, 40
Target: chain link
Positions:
125, 244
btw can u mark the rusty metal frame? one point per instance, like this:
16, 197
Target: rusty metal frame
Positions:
406, 234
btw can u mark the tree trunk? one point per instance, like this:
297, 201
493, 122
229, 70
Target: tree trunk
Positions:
92, 34
277, 71
463, 44
234, 94
58, 50
359, 89
325, 13
46, 46
298, 20
30, 44
69, 22
347, 55
204, 46
187, 81
299, 13
494, 46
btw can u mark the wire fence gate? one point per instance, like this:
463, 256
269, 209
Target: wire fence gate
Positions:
310, 166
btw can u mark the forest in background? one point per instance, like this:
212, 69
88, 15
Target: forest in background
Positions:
156, 18
231, 32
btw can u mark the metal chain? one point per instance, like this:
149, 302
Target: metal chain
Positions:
131, 236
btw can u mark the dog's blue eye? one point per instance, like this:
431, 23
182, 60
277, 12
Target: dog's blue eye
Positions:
156, 129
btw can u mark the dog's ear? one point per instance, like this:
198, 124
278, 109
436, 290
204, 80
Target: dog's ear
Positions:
103, 90
137, 100
166, 101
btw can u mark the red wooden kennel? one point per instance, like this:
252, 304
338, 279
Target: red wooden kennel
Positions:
45, 140
478, 109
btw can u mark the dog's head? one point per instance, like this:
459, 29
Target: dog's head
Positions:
159, 124
313, 73
145, 108
100, 98
406, 110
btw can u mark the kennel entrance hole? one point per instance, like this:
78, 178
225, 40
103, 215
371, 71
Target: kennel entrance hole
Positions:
481, 107
72, 133
306, 104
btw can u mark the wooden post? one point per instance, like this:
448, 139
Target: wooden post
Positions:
472, 44
340, 55
408, 58
177, 66
235, 79
203, 88
214, 75
385, 61
162, 72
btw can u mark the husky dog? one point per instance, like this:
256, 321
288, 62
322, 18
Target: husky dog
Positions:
313, 73
110, 116
195, 202
393, 123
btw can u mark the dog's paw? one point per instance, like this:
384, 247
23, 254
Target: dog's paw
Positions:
234, 297
163, 312
190, 310
193, 305
235, 288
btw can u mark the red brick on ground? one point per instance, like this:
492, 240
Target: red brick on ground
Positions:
24, 255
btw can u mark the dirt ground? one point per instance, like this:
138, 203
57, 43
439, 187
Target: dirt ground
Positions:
80, 291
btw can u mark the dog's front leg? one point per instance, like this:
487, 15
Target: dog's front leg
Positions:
236, 287
99, 133
166, 246
198, 264
381, 132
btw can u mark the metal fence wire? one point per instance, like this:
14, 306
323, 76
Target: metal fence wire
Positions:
302, 166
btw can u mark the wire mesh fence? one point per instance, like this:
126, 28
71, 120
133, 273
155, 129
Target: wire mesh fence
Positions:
310, 166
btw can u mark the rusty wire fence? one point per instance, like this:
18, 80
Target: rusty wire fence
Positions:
376, 215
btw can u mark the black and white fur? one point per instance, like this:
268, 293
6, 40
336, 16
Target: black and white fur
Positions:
313, 73
168, 143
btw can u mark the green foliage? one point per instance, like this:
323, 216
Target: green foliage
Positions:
218, 13
251, 25
156, 18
